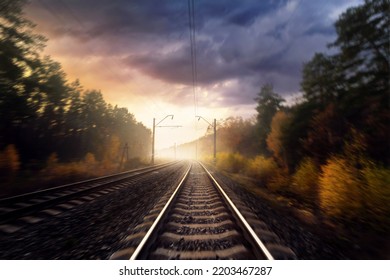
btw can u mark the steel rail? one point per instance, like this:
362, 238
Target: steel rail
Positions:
150, 232
15, 213
141, 250
61, 187
241, 218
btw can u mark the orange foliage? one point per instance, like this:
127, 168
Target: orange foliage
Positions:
262, 169
9, 161
305, 179
275, 137
340, 194
231, 162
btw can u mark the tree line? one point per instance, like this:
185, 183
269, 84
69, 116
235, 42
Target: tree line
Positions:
331, 147
44, 115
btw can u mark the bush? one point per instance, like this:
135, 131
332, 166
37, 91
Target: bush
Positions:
363, 193
9, 161
340, 189
262, 169
305, 179
231, 162
280, 181
377, 195
88, 167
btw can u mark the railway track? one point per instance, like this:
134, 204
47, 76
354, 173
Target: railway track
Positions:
19, 211
200, 221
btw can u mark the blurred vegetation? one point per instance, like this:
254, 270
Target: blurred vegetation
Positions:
330, 149
340, 189
263, 169
49, 123
305, 180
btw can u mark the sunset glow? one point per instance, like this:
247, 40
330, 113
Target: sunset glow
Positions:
143, 63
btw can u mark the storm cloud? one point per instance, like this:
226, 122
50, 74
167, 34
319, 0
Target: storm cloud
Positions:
240, 45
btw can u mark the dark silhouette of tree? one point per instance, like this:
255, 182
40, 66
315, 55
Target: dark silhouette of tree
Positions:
268, 103
43, 114
353, 83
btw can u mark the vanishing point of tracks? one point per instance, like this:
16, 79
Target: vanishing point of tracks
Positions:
200, 221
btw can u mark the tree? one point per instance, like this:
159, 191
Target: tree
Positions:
296, 132
19, 52
275, 139
363, 34
41, 113
321, 79
325, 135
364, 43
268, 103
355, 80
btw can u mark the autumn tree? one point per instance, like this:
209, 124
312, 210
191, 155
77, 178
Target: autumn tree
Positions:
355, 80
363, 38
275, 139
42, 113
268, 103
326, 133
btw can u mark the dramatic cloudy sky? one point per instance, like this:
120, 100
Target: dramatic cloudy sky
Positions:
138, 52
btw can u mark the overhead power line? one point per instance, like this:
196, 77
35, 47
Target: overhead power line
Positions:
192, 29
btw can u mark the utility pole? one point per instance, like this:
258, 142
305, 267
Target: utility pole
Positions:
215, 141
153, 137
215, 135
125, 152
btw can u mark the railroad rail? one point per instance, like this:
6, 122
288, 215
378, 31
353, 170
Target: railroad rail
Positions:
17, 210
200, 221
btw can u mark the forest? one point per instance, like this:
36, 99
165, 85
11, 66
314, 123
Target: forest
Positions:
330, 148
50, 124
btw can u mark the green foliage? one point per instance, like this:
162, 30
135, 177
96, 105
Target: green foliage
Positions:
363, 38
319, 77
268, 103
295, 133
305, 180
351, 87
